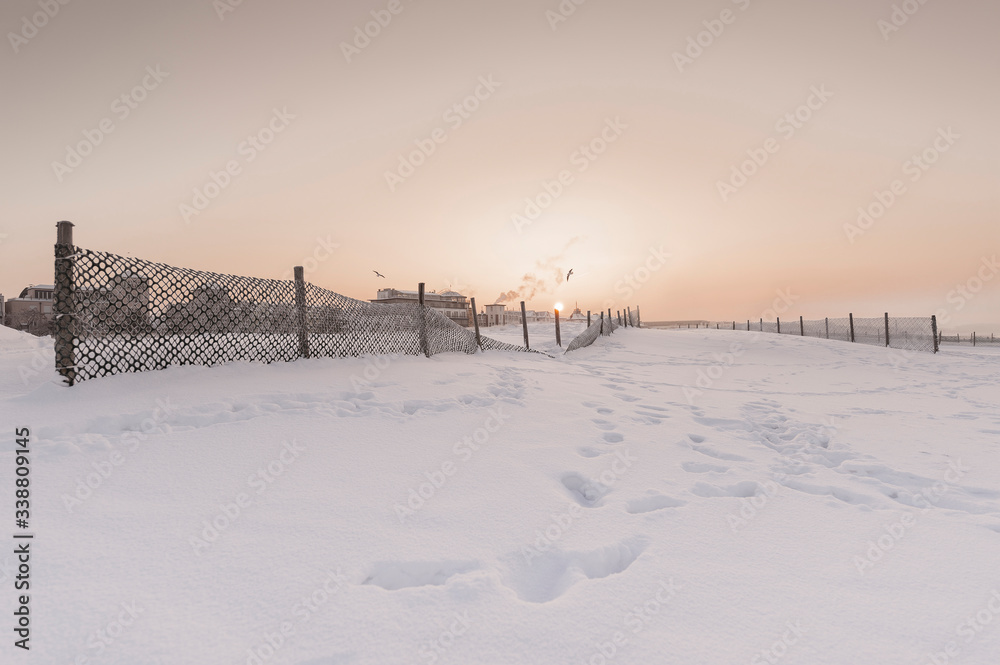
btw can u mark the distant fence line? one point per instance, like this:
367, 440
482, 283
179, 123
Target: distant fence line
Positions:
116, 314
909, 333
968, 339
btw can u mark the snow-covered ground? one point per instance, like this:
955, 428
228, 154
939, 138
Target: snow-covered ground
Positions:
667, 497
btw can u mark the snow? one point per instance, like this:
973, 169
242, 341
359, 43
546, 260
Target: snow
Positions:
767, 499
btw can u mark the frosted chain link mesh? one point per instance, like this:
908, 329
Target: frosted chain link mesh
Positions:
590, 335
131, 315
910, 333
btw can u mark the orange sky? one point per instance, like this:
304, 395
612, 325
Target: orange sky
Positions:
695, 181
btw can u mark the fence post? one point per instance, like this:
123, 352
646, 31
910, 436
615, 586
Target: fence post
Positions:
887, 328
973, 338
300, 312
802, 328
851, 317
558, 339
828, 327
64, 303
762, 325
423, 321
475, 321
748, 325
588, 318
610, 327
602, 323
524, 324
934, 331
638, 318
778, 319
619, 317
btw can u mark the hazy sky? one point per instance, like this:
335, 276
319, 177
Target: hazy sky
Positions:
839, 103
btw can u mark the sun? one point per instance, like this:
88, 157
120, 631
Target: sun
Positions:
559, 306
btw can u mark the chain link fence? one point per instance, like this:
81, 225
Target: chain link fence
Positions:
973, 339
909, 333
119, 314
596, 330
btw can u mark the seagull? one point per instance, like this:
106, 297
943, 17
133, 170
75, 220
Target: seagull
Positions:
568, 274
379, 274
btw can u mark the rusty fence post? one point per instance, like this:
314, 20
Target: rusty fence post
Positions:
475, 322
301, 320
64, 304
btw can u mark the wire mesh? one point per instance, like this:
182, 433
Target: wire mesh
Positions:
132, 315
911, 333
591, 334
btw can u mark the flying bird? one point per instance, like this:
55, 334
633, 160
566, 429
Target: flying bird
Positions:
379, 274
568, 274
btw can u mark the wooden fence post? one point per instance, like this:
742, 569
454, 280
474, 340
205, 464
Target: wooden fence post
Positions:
934, 332
762, 325
778, 319
64, 304
802, 328
638, 318
423, 321
301, 322
887, 328
558, 339
828, 327
619, 317
588, 318
475, 321
524, 324
851, 317
611, 328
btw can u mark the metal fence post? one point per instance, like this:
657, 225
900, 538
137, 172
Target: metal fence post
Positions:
851, 317
802, 328
887, 328
524, 324
423, 321
301, 322
64, 304
934, 331
475, 321
558, 339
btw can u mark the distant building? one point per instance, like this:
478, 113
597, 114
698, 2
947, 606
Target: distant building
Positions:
497, 315
577, 315
121, 305
450, 303
32, 310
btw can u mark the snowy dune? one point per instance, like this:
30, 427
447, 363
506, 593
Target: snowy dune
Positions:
660, 497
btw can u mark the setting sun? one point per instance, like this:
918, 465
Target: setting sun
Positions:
559, 306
